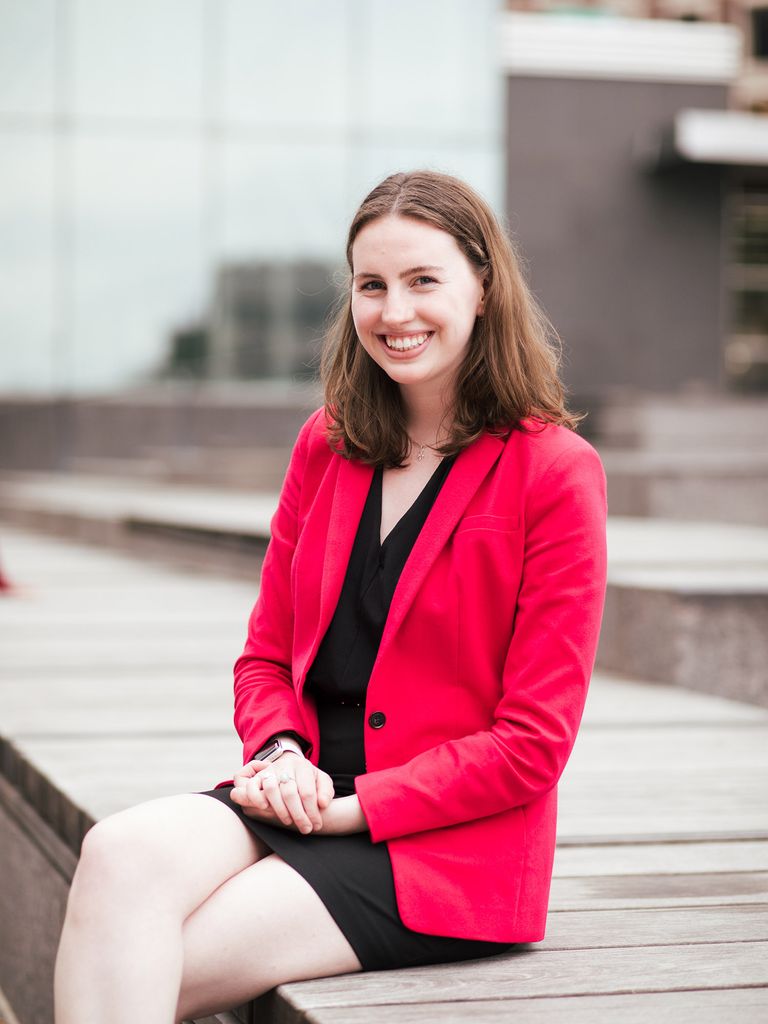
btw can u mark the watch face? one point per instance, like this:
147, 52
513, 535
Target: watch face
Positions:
269, 752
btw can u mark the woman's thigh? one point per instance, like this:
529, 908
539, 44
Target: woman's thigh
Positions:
264, 927
176, 850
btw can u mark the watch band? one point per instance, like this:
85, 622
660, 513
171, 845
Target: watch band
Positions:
274, 750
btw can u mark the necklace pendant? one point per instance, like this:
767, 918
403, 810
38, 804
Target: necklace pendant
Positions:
420, 456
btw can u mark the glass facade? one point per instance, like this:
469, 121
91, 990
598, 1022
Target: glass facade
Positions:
146, 144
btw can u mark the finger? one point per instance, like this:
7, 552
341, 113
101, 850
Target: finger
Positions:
289, 791
252, 795
242, 775
249, 770
266, 816
271, 790
325, 790
307, 789
237, 796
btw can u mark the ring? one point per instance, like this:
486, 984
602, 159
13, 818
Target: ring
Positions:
285, 777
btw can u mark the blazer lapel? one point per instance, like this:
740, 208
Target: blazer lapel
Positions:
353, 481
469, 471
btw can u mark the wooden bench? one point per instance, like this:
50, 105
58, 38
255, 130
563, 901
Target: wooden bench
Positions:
659, 898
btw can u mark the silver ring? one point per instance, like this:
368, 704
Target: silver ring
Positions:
285, 777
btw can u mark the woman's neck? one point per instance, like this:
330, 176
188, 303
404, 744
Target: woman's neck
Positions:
425, 417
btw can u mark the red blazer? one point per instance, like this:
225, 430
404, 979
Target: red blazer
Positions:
482, 671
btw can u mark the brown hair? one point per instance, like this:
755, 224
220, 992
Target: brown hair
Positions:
510, 371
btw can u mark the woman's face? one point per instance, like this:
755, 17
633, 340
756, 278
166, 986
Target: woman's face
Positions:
415, 297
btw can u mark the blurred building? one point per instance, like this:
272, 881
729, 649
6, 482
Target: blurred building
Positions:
637, 184
145, 144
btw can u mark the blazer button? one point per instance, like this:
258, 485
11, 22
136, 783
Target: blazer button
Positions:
377, 719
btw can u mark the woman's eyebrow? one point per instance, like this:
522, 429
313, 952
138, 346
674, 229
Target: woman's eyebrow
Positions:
405, 273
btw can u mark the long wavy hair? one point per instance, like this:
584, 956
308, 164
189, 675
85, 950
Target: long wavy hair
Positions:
510, 371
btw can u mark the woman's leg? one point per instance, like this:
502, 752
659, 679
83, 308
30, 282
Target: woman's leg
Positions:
142, 872
264, 927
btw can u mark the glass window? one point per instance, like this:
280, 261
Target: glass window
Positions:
27, 71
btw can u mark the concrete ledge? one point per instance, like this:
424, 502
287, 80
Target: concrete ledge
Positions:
713, 486
191, 526
692, 423
716, 643
687, 603
49, 434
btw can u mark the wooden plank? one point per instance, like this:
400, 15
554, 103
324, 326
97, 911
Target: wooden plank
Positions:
105, 774
614, 700
658, 890
661, 858
538, 973
595, 929
665, 750
729, 1006
128, 650
613, 814
138, 703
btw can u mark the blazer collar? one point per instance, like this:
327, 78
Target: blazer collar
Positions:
352, 485
469, 471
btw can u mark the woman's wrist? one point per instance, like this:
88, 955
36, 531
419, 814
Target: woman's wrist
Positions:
343, 816
276, 747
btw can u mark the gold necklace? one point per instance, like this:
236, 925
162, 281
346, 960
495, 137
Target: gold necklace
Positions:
422, 448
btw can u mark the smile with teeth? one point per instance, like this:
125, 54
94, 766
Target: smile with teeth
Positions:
405, 344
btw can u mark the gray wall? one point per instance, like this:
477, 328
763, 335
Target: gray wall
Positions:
628, 264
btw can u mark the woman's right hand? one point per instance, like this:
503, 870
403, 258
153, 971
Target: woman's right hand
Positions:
290, 788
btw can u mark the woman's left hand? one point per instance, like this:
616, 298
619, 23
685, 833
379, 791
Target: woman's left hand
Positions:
289, 791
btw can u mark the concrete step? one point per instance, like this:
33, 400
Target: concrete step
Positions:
253, 467
720, 486
198, 527
687, 603
690, 423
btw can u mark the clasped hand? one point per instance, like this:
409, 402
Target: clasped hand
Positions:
289, 791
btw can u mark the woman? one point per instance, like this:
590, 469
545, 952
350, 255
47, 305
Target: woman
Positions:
416, 664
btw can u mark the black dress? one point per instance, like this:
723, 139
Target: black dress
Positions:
352, 875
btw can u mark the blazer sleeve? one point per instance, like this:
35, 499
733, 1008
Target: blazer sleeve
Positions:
265, 699
545, 676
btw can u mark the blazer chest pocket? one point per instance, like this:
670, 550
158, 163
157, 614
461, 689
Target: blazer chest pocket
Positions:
487, 559
496, 524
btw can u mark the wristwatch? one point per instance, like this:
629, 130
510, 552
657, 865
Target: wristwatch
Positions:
274, 749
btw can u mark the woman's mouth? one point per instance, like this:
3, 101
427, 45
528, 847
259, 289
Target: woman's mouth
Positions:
405, 342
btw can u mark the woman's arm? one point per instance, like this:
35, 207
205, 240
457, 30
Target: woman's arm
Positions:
545, 677
265, 700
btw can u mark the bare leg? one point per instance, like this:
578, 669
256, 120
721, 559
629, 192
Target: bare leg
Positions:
141, 874
264, 927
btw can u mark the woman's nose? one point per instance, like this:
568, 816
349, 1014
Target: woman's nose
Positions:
397, 308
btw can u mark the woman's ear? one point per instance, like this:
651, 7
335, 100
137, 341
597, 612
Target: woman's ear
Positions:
481, 304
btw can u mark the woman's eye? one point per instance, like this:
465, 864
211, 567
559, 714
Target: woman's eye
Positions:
371, 286
424, 279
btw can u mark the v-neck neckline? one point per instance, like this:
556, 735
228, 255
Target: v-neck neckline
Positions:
379, 485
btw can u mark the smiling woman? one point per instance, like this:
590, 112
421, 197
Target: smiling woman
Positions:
416, 662
428, 257
415, 305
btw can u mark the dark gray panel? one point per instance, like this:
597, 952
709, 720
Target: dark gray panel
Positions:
626, 263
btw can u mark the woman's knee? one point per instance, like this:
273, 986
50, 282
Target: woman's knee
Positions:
136, 847
174, 851
113, 856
